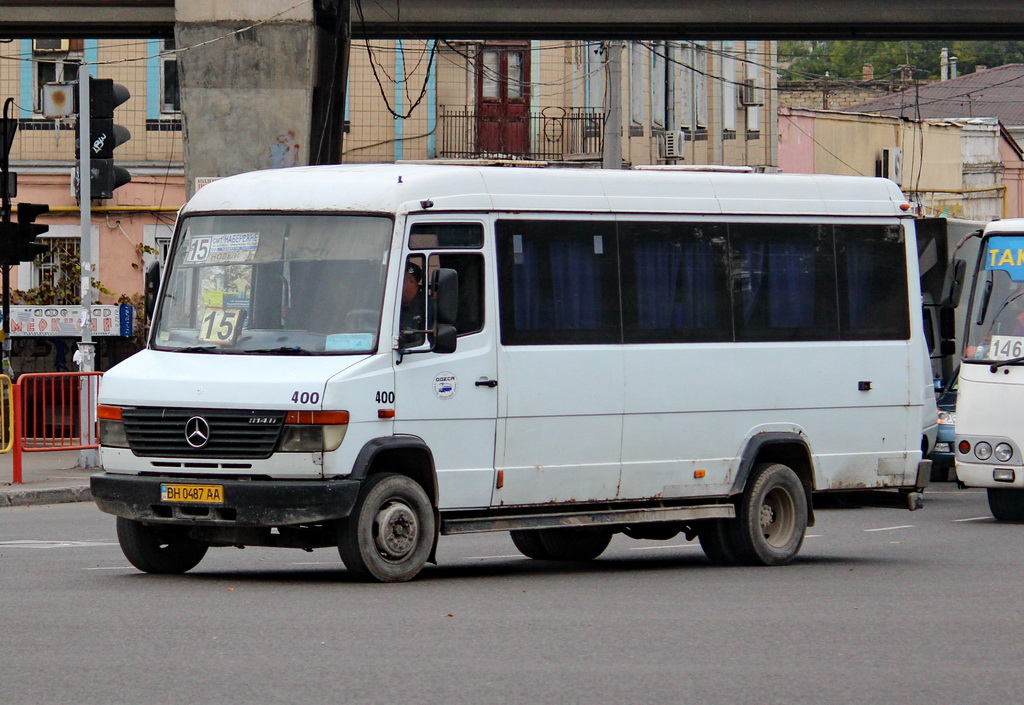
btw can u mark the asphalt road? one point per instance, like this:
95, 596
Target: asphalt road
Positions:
882, 606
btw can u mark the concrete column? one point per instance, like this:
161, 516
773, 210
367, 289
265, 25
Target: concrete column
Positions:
262, 83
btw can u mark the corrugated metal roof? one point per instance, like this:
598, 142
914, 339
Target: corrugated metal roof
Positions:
997, 93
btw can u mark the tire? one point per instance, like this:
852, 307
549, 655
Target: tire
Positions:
716, 541
529, 544
771, 517
575, 544
390, 533
163, 550
1006, 504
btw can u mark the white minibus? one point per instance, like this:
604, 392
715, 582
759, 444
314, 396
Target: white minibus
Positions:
368, 357
989, 432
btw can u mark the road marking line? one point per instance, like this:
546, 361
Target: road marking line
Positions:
489, 558
973, 519
662, 548
892, 528
32, 543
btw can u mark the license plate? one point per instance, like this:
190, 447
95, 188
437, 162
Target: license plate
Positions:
199, 494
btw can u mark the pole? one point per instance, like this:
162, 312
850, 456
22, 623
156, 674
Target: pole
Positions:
87, 458
6, 138
611, 157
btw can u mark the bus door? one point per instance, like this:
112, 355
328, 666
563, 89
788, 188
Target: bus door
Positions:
450, 401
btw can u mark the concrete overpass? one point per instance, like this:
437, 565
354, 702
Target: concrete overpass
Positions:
254, 68
540, 19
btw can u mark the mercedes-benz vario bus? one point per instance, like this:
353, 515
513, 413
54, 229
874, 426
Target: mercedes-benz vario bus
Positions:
368, 357
989, 430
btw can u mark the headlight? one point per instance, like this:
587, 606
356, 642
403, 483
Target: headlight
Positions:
982, 450
313, 431
947, 417
112, 433
1004, 451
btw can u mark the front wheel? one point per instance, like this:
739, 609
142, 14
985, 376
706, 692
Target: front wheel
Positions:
771, 517
390, 533
1006, 504
154, 549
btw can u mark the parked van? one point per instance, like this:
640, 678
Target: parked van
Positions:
368, 357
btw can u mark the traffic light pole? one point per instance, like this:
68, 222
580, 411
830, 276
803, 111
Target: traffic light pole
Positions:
86, 346
6, 138
87, 458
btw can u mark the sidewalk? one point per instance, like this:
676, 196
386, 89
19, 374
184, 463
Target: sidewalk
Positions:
52, 477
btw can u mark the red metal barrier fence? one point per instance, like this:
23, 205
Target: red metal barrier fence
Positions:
54, 411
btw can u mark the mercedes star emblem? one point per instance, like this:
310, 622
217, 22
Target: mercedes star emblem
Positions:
197, 431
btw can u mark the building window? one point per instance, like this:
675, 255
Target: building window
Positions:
57, 270
170, 96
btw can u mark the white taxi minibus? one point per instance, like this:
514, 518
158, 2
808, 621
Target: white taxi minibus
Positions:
367, 357
989, 432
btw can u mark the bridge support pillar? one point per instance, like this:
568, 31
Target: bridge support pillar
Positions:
262, 84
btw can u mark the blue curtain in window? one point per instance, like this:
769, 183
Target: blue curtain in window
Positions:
791, 286
675, 284
858, 279
570, 299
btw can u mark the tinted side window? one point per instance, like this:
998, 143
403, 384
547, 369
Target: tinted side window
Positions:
558, 282
872, 278
675, 286
470, 268
430, 236
783, 278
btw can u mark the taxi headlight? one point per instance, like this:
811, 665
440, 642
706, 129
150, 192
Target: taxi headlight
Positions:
947, 417
983, 450
1004, 451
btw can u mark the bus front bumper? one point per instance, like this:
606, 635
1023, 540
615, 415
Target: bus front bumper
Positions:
223, 502
988, 475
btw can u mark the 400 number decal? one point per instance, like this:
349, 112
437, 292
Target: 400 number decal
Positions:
305, 397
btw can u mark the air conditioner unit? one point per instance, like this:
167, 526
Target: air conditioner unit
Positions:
674, 145
890, 166
751, 92
44, 46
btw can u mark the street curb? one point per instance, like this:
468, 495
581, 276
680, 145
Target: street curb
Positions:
49, 495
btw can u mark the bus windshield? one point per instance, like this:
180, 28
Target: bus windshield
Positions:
275, 284
995, 330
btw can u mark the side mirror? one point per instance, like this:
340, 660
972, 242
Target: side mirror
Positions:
953, 286
445, 288
445, 339
152, 286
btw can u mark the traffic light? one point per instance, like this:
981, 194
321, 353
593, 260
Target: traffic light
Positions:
104, 137
18, 240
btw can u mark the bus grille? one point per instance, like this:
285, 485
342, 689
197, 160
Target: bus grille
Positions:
203, 433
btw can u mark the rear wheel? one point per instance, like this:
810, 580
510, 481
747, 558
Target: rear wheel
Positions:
390, 533
529, 544
771, 517
1006, 504
154, 549
575, 544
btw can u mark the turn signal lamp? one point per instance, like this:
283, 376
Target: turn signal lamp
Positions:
963, 447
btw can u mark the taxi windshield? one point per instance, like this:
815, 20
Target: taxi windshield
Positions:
995, 329
275, 284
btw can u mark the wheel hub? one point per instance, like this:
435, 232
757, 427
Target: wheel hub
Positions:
395, 531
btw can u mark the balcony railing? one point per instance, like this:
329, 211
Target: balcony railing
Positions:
550, 133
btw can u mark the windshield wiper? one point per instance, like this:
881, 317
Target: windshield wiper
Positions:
1002, 363
283, 350
211, 349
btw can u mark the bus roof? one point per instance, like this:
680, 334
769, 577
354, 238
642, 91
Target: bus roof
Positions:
404, 188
